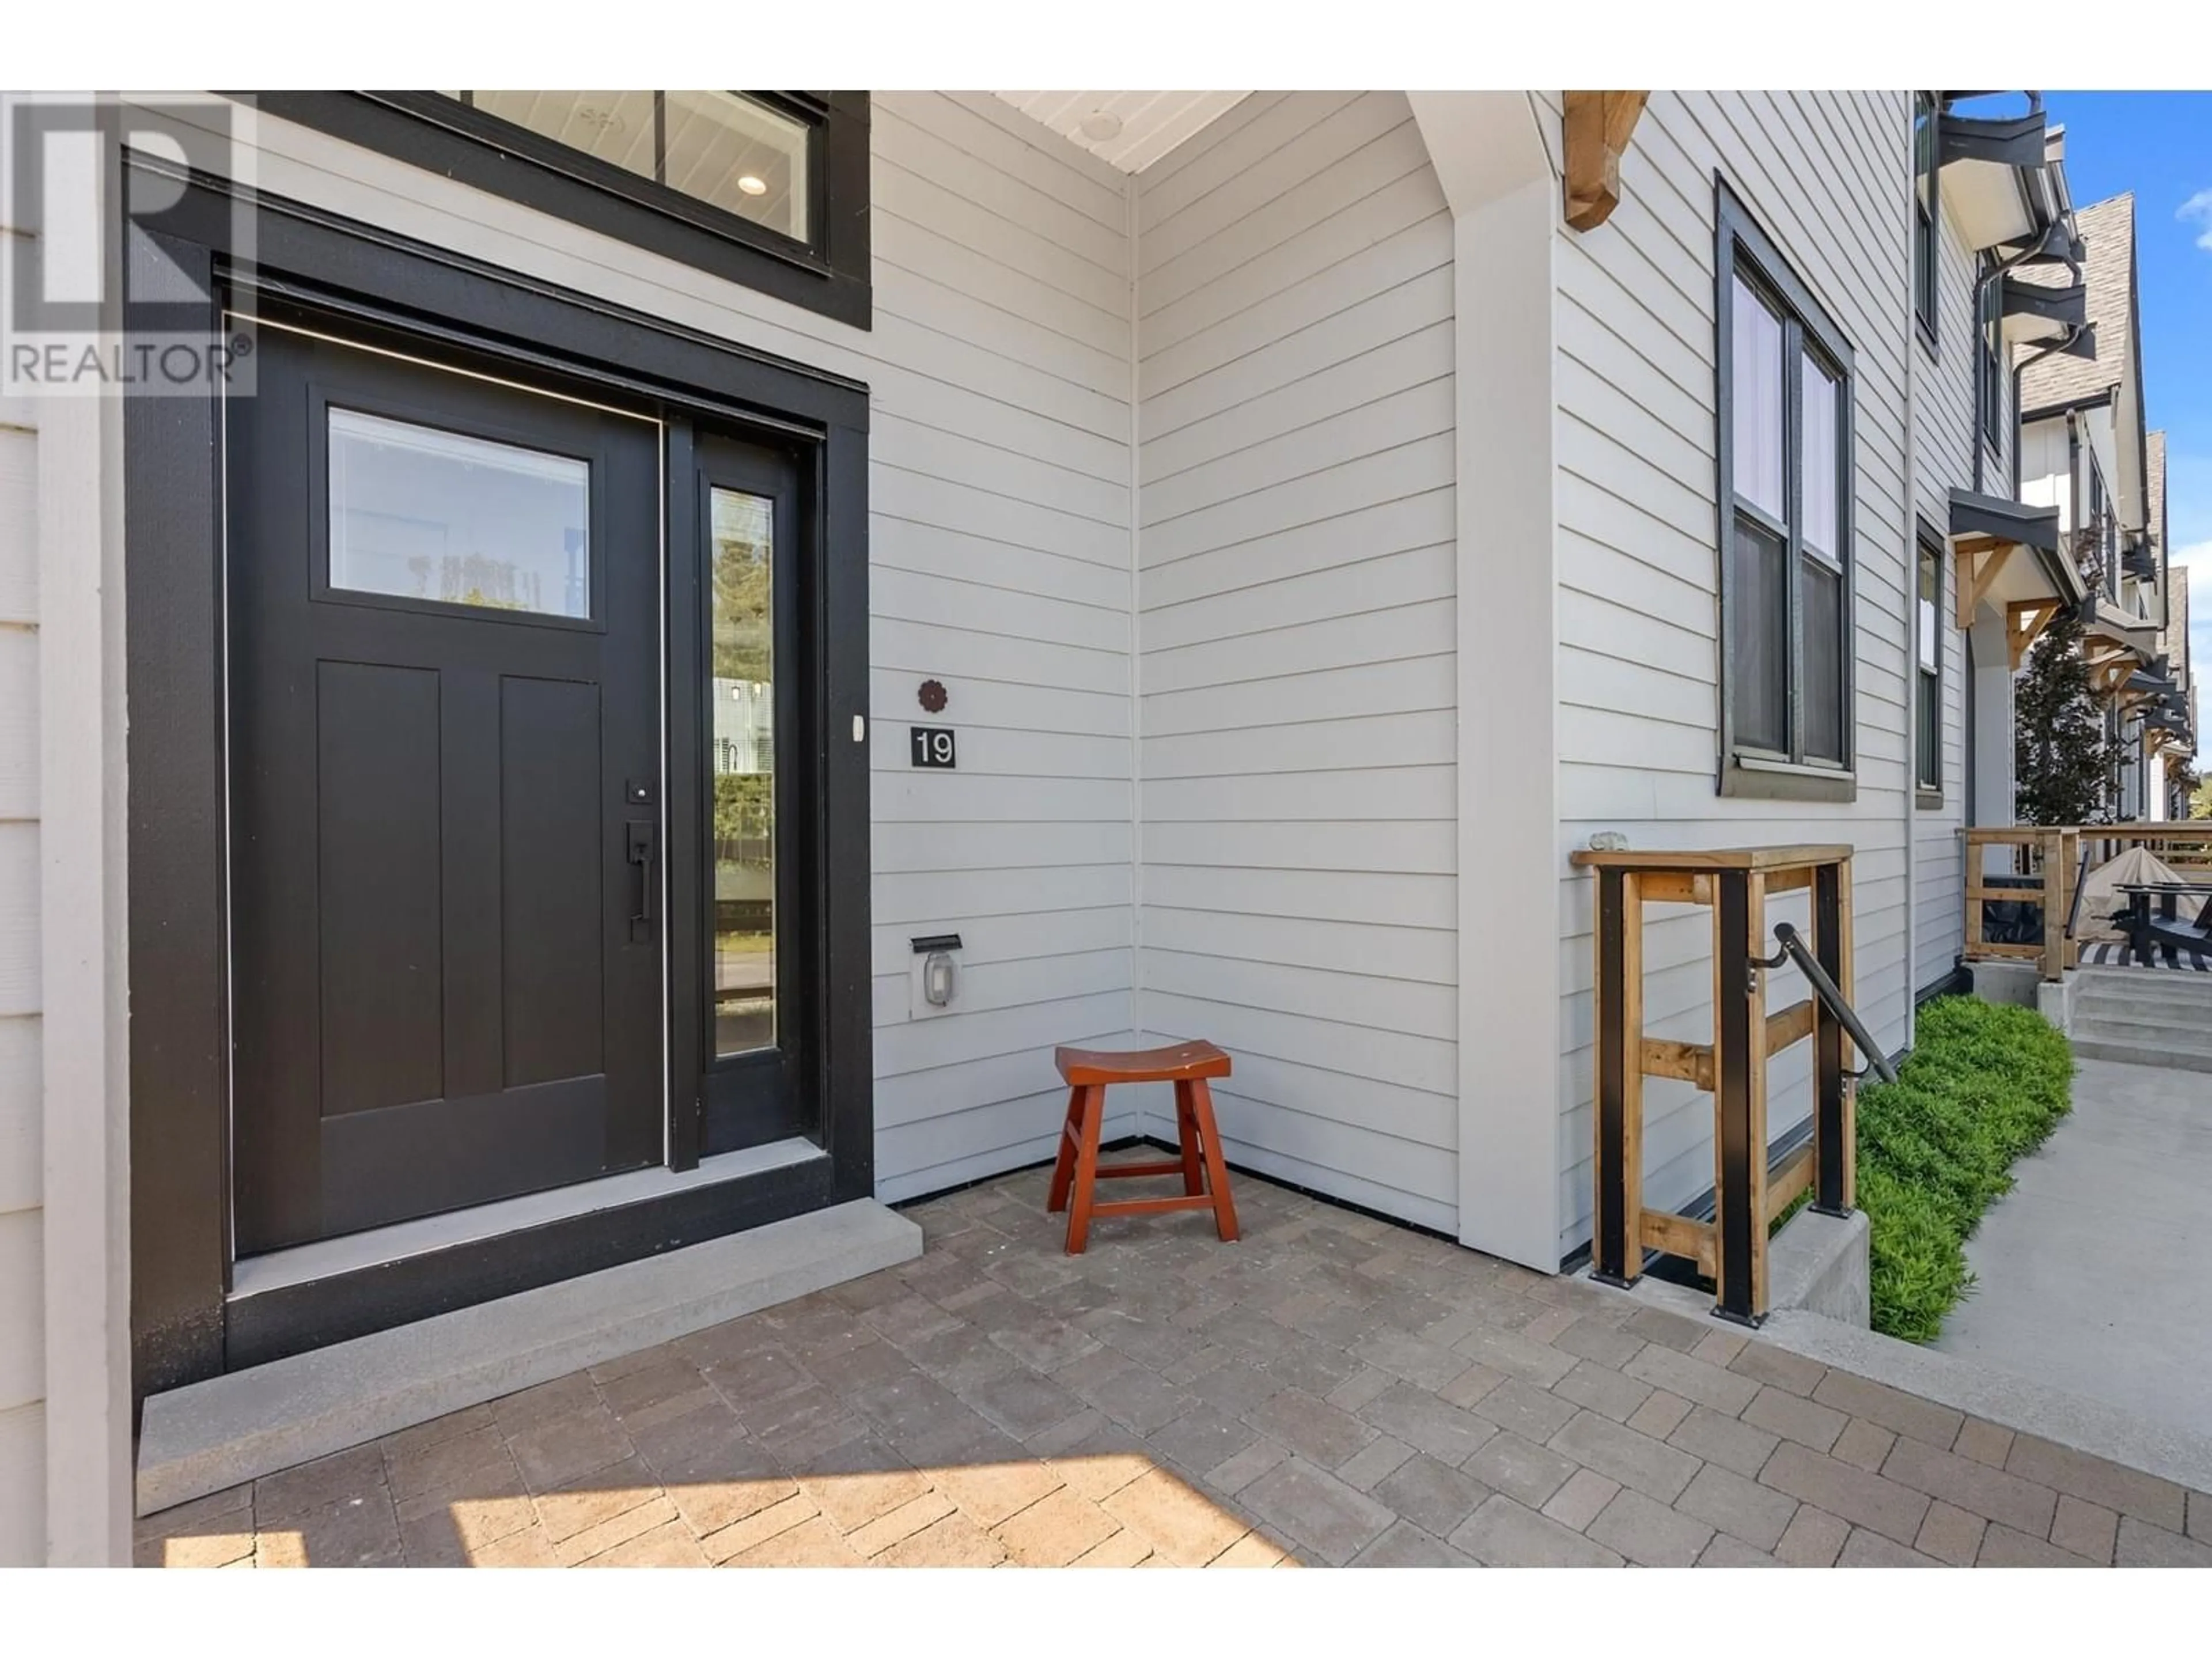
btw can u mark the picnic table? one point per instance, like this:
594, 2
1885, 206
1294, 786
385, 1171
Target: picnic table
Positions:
2147, 933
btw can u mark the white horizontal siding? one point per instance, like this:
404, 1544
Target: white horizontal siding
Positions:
1826, 176
23, 1302
1295, 630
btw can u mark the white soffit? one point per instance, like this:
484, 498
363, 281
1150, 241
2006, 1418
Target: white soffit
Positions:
1131, 129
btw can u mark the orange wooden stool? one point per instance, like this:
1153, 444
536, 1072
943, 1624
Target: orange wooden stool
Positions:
1089, 1072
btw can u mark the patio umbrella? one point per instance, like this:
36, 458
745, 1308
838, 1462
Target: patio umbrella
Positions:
2101, 895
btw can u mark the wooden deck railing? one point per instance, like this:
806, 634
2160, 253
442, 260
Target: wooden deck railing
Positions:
1748, 1193
2053, 860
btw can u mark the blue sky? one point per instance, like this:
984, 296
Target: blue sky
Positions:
2159, 144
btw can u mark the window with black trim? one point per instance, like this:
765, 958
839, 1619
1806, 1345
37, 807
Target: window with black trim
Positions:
1989, 341
1784, 398
1927, 244
1928, 707
766, 189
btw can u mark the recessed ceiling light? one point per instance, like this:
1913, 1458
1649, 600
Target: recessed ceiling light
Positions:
751, 186
1101, 124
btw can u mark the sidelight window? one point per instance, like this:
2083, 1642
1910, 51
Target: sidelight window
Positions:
742, 736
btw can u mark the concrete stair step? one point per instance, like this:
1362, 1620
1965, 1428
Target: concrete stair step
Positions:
2130, 1053
2184, 1046
2150, 1026
2166, 985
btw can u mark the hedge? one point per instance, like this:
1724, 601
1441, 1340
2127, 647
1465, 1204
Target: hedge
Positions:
1986, 1083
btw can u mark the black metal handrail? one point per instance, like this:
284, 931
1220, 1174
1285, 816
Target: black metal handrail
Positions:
1793, 947
2081, 881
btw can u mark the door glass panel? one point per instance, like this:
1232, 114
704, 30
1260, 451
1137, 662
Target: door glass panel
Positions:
741, 730
419, 514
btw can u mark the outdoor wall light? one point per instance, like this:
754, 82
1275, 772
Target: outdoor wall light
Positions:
938, 976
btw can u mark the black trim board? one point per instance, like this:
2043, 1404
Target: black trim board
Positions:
276, 1324
829, 275
1739, 240
376, 282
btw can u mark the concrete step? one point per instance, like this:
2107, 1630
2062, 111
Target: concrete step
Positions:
207, 1436
2149, 1021
2157, 990
2130, 1052
2163, 985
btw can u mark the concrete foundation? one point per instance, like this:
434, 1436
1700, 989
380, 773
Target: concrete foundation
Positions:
213, 1435
1817, 1263
2022, 984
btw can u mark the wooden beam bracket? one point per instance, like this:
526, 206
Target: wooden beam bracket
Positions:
1597, 129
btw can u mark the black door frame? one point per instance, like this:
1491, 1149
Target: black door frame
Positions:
363, 278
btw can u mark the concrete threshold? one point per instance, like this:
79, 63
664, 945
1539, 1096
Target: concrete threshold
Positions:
212, 1435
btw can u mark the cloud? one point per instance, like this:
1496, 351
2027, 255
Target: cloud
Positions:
2199, 209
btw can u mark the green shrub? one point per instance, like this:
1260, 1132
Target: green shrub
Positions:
1986, 1083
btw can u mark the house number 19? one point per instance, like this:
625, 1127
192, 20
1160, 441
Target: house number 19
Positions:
933, 745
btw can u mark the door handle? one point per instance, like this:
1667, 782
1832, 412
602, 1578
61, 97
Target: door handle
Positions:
644, 852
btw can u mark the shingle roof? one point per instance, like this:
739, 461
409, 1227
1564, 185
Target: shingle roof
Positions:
2177, 622
2108, 268
2154, 487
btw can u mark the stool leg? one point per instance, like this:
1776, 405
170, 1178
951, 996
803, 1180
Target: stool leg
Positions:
1064, 1171
1217, 1173
1091, 1105
1194, 1181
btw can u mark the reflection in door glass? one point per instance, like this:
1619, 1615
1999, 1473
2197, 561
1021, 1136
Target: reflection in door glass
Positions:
420, 514
742, 733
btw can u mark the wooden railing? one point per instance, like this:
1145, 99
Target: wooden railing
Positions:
2053, 860
2053, 857
1735, 884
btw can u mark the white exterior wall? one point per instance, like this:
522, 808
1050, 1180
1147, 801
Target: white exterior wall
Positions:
999, 563
22, 1318
1296, 631
2044, 480
1828, 176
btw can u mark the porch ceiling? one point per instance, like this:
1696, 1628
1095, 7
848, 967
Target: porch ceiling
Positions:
1131, 129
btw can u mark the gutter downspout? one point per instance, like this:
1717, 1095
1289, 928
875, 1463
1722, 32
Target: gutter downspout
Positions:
1909, 541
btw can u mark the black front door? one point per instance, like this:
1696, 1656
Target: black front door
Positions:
445, 845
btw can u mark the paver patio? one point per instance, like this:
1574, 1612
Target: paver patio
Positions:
1332, 1390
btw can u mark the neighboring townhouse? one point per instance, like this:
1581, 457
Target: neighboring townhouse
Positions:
1993, 233
2084, 450
2170, 717
1201, 561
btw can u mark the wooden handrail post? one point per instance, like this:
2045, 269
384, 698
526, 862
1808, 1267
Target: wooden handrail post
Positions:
1616, 1245
2054, 904
1740, 1093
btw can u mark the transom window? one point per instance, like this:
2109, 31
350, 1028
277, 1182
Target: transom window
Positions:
765, 189
728, 150
1785, 400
